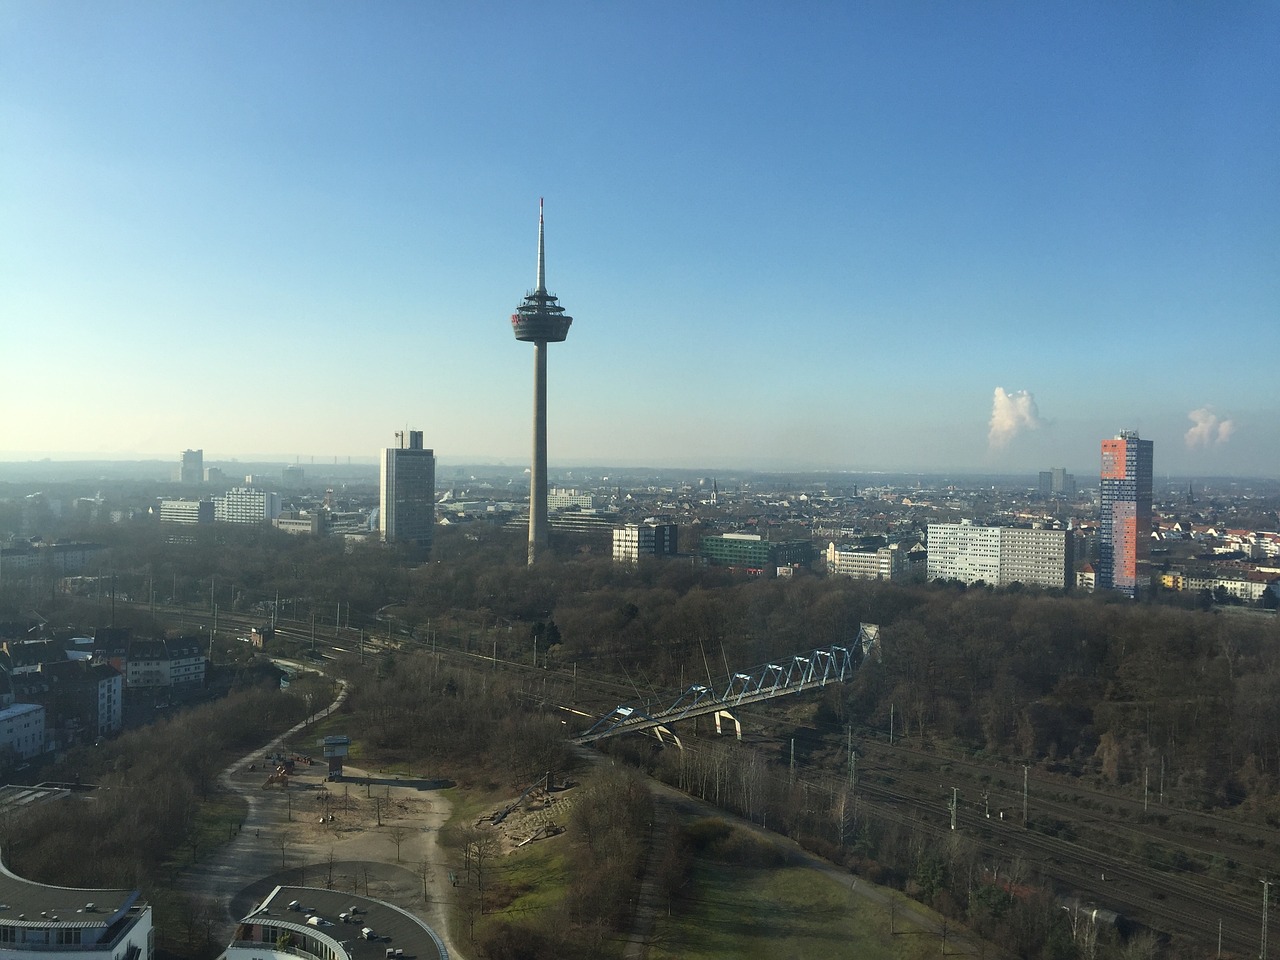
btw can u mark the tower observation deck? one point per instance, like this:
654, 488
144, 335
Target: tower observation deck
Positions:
539, 320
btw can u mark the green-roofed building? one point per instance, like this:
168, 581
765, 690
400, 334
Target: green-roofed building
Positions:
750, 551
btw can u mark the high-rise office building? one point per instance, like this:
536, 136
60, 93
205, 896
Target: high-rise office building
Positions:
191, 468
1124, 527
407, 507
1057, 483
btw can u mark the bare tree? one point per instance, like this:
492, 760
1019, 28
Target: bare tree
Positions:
484, 847
397, 835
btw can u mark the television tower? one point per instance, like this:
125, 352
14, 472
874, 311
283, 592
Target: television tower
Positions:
539, 320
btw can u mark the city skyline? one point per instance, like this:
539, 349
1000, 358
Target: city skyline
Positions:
883, 238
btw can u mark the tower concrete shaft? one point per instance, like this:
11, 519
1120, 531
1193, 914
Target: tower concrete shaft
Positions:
539, 320
539, 532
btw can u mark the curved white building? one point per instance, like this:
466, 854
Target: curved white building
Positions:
70, 923
315, 924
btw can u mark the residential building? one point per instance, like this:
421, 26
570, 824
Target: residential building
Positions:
186, 511
61, 923
751, 552
1086, 579
649, 539
1124, 521
999, 556
246, 505
1032, 555
406, 509
889, 562
21, 734
1249, 586
82, 700
163, 663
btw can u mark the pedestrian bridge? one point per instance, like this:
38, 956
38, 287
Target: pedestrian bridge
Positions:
801, 672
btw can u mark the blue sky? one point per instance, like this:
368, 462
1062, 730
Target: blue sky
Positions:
834, 235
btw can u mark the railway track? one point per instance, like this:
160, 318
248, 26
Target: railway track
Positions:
910, 786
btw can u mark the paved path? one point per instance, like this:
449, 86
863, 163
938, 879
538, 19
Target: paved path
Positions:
283, 839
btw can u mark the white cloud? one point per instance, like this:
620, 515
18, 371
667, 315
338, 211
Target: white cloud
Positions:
1207, 429
1011, 413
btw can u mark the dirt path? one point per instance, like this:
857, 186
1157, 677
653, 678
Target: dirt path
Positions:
372, 834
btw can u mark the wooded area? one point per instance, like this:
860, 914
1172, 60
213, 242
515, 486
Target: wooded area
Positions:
1095, 688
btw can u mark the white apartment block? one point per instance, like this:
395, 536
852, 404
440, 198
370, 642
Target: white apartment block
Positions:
999, 556
110, 700
22, 732
883, 563
559, 499
246, 505
186, 511
165, 663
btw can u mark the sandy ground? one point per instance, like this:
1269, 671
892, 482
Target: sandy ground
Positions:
378, 835
372, 834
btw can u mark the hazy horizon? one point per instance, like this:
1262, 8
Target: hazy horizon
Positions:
1085, 478
873, 237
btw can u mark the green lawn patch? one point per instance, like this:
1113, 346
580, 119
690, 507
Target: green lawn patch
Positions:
216, 821
732, 910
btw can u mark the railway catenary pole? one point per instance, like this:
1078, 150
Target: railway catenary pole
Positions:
1025, 772
1266, 891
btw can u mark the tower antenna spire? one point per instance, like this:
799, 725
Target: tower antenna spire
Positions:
542, 269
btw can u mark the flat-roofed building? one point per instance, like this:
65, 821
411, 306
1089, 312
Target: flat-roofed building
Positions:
66, 923
1124, 513
559, 498
999, 556
301, 523
186, 511
632, 541
752, 552
407, 505
191, 466
246, 505
330, 924
22, 733
889, 562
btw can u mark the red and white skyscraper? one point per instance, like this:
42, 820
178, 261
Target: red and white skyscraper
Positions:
1124, 534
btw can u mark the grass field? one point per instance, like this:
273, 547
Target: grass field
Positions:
770, 912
